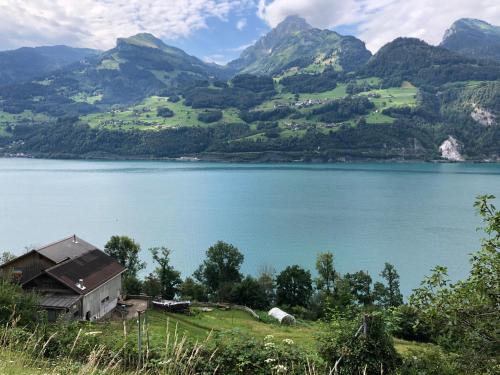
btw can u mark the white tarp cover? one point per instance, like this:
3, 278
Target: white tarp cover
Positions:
282, 316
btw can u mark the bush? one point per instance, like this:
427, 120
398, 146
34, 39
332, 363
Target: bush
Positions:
358, 345
16, 304
429, 362
405, 322
241, 354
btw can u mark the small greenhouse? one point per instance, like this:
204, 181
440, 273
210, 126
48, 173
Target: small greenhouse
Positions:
282, 316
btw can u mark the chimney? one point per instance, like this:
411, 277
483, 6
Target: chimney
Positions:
74, 239
80, 285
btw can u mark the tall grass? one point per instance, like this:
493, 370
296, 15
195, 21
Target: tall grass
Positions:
177, 357
64, 349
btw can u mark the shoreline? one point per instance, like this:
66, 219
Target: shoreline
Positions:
257, 158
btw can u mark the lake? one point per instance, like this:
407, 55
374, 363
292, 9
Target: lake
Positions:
414, 216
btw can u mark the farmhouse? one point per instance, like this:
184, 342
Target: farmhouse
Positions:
75, 279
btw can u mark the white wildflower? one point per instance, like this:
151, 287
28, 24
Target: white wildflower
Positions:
268, 338
280, 369
269, 345
270, 360
288, 341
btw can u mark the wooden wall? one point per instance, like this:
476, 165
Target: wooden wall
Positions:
26, 266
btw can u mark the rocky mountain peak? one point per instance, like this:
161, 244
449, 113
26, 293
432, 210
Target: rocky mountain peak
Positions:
292, 24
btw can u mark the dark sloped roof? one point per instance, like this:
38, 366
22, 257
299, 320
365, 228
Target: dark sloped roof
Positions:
59, 301
70, 247
94, 268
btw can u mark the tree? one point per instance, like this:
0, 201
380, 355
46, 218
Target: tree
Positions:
293, 286
464, 316
152, 286
190, 289
164, 112
131, 285
342, 298
6, 256
360, 283
222, 265
168, 277
266, 281
326, 273
249, 292
126, 251
390, 295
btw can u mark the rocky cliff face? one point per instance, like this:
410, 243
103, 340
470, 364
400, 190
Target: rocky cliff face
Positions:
451, 149
483, 116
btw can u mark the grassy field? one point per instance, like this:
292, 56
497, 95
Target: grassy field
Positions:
199, 326
289, 98
12, 363
406, 95
25, 116
144, 116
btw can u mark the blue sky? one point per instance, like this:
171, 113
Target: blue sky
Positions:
222, 40
217, 30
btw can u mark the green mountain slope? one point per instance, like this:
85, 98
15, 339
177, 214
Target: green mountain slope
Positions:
410, 59
473, 38
146, 99
138, 67
296, 44
25, 64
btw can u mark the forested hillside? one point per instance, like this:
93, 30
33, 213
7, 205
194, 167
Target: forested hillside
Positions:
299, 93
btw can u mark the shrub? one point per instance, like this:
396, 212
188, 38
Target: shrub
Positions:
429, 362
16, 304
404, 322
359, 345
241, 354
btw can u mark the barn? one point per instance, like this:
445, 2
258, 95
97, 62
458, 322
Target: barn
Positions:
75, 279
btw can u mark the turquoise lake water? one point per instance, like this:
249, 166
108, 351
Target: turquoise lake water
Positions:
412, 215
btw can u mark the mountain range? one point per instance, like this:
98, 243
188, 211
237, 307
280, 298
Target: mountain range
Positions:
27, 63
298, 93
473, 38
294, 44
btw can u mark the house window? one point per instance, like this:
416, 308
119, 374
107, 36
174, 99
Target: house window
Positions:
104, 300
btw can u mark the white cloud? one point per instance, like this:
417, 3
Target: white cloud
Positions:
380, 21
97, 23
241, 24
